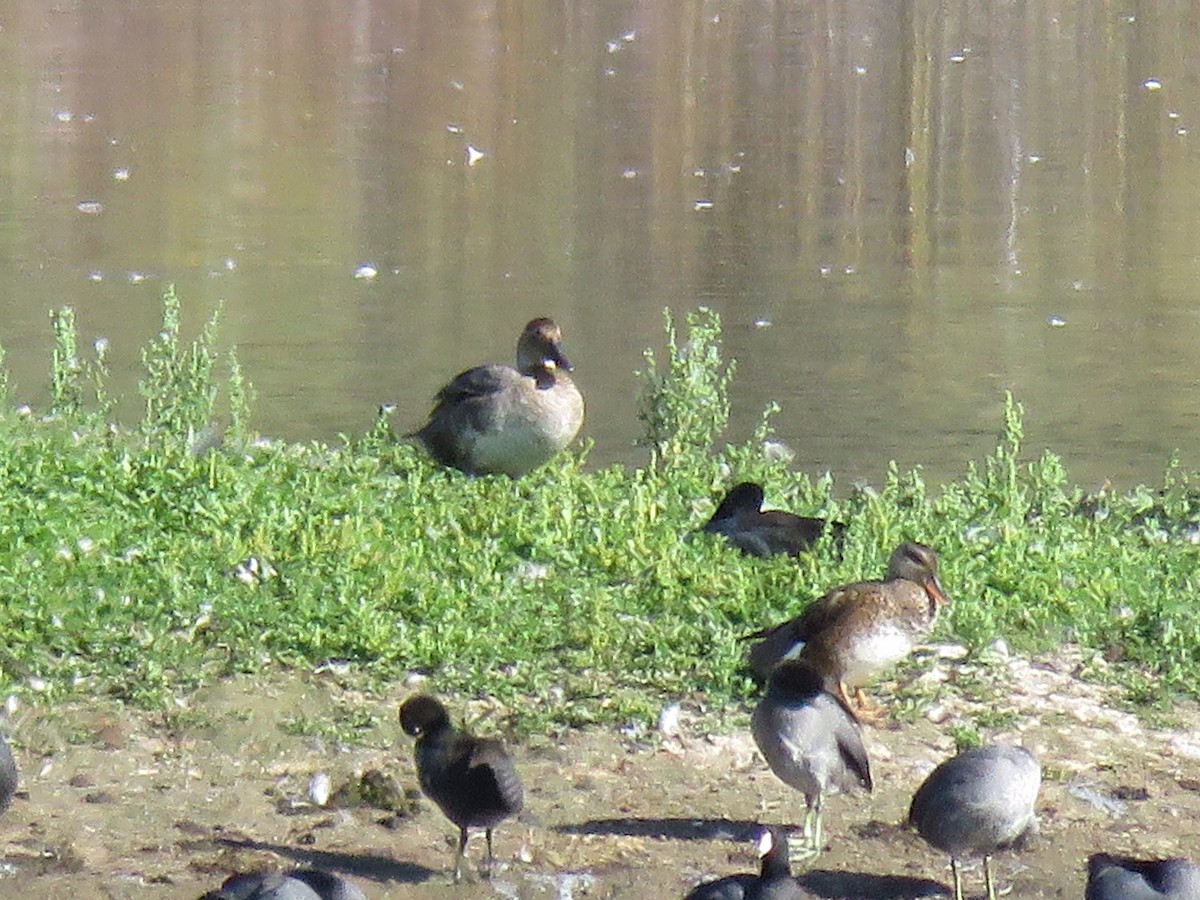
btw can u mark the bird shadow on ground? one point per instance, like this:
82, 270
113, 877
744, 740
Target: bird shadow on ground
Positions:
834, 885
375, 868
674, 829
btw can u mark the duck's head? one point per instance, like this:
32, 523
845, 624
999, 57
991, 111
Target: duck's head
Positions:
742, 499
773, 849
539, 348
423, 714
798, 679
919, 564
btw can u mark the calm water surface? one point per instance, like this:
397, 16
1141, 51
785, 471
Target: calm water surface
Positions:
900, 209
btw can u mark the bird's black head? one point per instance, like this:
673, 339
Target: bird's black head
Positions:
741, 499
423, 714
797, 678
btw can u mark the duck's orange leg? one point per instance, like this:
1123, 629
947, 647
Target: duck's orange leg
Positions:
867, 710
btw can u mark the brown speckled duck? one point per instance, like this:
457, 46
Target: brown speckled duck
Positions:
472, 780
495, 419
741, 521
857, 630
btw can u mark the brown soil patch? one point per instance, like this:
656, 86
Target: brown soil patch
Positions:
122, 805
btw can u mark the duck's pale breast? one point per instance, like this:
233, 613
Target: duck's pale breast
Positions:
526, 426
873, 650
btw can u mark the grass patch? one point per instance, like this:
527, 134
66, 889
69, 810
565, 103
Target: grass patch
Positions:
139, 563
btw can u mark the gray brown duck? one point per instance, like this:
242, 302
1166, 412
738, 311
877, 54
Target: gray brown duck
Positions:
495, 419
857, 630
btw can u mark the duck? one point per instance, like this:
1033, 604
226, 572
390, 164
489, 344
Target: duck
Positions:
472, 780
976, 803
857, 630
773, 882
497, 420
1125, 878
8, 775
300, 884
740, 520
811, 739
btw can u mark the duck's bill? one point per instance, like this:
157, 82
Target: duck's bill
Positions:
558, 360
934, 589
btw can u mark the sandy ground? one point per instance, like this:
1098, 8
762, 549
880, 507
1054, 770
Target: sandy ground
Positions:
122, 805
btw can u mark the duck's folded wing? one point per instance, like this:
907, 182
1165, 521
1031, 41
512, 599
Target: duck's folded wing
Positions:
491, 772
854, 754
482, 381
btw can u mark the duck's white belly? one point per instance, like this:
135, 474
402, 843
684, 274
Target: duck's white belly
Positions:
528, 430
874, 651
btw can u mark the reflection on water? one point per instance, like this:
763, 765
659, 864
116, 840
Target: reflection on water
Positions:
900, 209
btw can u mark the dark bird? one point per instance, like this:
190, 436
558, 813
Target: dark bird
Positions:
301, 884
811, 741
1125, 878
495, 419
977, 803
472, 780
8, 775
742, 522
857, 630
773, 882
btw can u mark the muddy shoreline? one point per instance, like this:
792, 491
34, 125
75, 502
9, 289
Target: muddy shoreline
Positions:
122, 804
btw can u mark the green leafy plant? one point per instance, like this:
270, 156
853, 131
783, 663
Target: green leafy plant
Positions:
684, 407
134, 566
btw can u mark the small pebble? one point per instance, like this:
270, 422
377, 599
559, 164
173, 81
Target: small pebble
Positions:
319, 788
668, 721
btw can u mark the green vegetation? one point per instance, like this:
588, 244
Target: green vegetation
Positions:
139, 563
